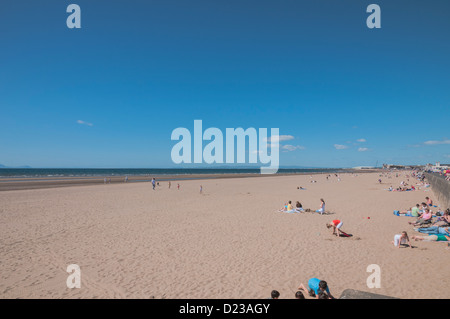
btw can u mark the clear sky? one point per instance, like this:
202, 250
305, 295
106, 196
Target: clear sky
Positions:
111, 93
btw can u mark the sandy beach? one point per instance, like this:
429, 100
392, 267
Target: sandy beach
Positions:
229, 242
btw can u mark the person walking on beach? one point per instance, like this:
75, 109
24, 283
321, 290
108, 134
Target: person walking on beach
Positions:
169, 184
201, 189
178, 186
153, 183
126, 179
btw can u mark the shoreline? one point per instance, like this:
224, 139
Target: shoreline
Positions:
28, 183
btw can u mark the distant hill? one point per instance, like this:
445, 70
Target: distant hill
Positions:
25, 166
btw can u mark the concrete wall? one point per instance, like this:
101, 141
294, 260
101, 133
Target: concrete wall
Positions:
441, 189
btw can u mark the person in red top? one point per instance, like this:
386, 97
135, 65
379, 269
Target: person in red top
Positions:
336, 225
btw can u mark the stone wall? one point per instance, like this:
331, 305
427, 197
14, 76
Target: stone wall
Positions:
441, 189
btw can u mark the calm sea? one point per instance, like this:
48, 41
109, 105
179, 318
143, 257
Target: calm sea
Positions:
76, 172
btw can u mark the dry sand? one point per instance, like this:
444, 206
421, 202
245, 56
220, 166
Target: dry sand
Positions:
229, 242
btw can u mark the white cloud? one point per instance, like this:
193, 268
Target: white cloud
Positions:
290, 148
279, 138
361, 140
340, 147
437, 142
363, 149
84, 123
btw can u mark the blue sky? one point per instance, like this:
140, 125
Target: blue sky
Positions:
137, 70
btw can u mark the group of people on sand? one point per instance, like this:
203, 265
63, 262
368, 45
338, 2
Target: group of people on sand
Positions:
316, 289
402, 188
435, 227
289, 208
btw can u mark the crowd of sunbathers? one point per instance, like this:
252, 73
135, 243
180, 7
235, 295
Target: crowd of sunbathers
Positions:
433, 226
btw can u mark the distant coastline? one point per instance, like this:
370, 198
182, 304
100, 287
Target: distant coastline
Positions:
36, 178
6, 172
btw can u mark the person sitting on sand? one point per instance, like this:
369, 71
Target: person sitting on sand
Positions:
314, 286
401, 239
287, 207
299, 207
413, 211
321, 210
429, 201
425, 218
438, 237
444, 221
424, 206
336, 225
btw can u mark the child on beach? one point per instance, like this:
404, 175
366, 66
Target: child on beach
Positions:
336, 225
299, 295
315, 286
274, 294
401, 239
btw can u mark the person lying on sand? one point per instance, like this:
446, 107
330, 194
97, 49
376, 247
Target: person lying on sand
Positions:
438, 237
401, 239
315, 286
434, 230
336, 225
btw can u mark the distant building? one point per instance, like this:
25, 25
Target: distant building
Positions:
437, 167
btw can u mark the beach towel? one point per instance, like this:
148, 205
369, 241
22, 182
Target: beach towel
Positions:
397, 213
344, 234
